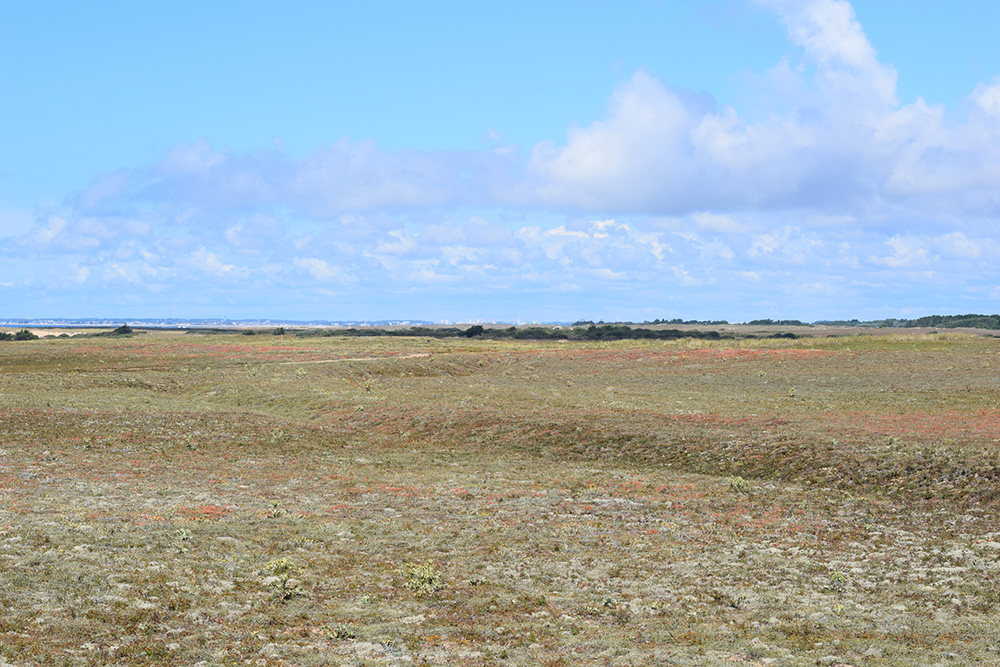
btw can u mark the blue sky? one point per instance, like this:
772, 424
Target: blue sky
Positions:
548, 161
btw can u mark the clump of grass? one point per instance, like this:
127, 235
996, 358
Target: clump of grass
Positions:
423, 579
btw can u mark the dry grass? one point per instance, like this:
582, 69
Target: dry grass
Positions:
226, 500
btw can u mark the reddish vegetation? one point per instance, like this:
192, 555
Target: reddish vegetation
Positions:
169, 501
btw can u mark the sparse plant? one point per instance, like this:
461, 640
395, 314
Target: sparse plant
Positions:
282, 578
739, 485
275, 510
183, 535
729, 599
423, 579
341, 631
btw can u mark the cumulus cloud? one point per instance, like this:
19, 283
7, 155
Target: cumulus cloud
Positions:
844, 144
840, 143
831, 36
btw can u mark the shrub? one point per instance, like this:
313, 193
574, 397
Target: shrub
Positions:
475, 330
423, 579
282, 579
739, 485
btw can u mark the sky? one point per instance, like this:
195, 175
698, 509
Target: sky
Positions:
519, 161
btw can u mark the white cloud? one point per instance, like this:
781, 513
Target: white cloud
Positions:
208, 262
716, 249
844, 142
907, 252
401, 243
608, 274
425, 271
683, 275
987, 97
834, 40
652, 241
322, 271
957, 245
786, 244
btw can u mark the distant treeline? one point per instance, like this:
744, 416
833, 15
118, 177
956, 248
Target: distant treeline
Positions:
23, 334
584, 323
592, 332
971, 321
123, 330
781, 323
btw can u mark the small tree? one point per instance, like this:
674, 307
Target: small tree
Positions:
475, 330
123, 330
24, 334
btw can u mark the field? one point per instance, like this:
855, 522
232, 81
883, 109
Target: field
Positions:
178, 499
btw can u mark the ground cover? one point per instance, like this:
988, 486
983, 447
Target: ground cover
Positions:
245, 500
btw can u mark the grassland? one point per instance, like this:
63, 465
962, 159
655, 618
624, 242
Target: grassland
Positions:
233, 500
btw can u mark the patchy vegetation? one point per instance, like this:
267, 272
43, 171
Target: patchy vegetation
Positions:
22, 334
324, 501
970, 321
593, 332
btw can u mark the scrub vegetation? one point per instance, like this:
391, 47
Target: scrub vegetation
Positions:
227, 500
